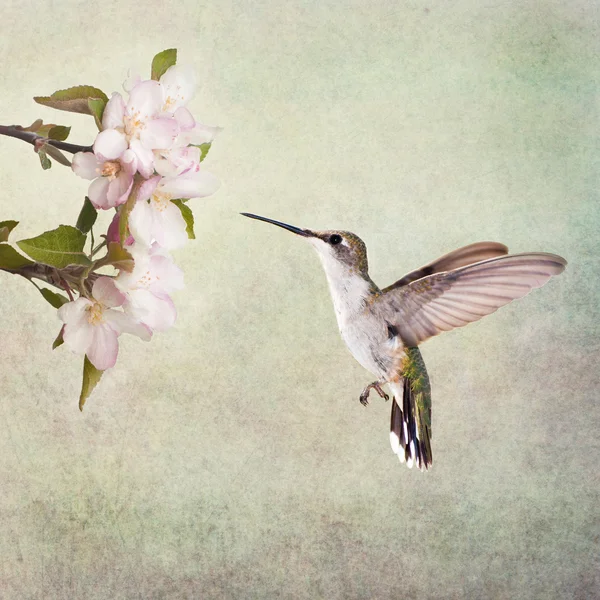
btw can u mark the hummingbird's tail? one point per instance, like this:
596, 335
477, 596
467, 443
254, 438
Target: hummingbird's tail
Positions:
410, 427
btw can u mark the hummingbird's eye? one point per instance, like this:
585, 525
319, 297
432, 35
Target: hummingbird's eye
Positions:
335, 239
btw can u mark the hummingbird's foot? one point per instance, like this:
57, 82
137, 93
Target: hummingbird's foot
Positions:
376, 385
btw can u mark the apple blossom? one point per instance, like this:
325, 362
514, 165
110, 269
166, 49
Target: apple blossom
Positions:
111, 167
141, 122
92, 326
147, 287
155, 218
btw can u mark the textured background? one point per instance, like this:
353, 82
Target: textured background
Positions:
230, 458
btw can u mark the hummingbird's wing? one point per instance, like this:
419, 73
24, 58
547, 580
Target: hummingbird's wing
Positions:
444, 301
467, 255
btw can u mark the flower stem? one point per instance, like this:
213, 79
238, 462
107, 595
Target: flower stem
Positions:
35, 140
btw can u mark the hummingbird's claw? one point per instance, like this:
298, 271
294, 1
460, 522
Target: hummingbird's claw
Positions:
364, 397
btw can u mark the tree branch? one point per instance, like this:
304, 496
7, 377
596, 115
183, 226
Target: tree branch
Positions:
52, 276
16, 131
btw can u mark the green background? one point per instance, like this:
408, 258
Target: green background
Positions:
230, 457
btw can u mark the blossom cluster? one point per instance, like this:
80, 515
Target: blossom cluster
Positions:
147, 155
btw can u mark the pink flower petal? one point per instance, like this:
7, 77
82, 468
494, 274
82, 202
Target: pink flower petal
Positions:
97, 193
104, 347
147, 188
159, 133
86, 165
110, 144
184, 118
106, 292
114, 111
112, 235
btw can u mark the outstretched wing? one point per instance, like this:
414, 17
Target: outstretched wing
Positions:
466, 255
444, 301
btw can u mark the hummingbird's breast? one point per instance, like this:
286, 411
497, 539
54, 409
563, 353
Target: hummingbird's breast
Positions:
364, 330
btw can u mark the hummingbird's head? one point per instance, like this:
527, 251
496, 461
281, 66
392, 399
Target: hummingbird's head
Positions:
336, 249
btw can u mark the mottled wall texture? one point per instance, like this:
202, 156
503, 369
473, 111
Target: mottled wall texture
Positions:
230, 457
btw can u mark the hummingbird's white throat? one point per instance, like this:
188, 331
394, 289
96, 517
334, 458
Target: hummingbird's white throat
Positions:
349, 289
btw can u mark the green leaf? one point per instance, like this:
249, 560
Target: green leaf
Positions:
44, 160
5, 228
56, 154
58, 248
162, 61
96, 106
74, 99
204, 148
11, 260
91, 377
188, 217
59, 341
118, 257
59, 132
57, 300
87, 216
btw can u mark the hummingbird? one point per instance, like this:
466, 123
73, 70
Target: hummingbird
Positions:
383, 328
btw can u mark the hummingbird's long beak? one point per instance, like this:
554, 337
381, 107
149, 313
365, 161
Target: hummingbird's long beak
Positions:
297, 230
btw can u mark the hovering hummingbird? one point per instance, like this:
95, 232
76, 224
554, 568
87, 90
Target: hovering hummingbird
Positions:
383, 327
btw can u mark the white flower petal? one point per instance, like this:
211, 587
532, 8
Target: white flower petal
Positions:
74, 312
170, 228
77, 333
110, 144
167, 276
124, 323
193, 184
200, 134
145, 101
97, 193
106, 292
128, 161
145, 158
179, 84
159, 133
114, 111
104, 347
133, 78
157, 313
141, 222
86, 165
184, 118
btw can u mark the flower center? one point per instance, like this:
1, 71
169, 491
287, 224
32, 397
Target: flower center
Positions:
95, 316
111, 169
133, 126
146, 279
161, 200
